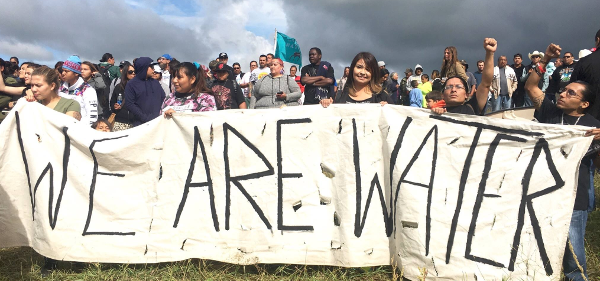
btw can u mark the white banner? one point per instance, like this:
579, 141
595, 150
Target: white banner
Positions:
461, 197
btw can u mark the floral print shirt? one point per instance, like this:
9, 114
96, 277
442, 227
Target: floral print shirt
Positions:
204, 102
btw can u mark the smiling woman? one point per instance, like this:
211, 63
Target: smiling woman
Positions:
363, 84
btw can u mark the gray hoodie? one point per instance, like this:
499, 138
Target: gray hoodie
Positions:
265, 90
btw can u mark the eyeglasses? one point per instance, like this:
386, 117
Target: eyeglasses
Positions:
130, 71
567, 57
458, 87
570, 93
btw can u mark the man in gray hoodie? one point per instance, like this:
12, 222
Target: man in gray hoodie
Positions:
415, 77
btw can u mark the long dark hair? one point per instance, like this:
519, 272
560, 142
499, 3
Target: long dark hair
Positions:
371, 65
447, 64
190, 70
124, 70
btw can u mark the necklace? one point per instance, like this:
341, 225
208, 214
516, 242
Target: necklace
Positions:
562, 120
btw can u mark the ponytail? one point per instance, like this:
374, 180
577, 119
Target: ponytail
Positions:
50, 76
190, 70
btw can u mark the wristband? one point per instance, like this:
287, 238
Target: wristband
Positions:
540, 70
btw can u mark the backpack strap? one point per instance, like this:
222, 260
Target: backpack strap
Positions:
235, 86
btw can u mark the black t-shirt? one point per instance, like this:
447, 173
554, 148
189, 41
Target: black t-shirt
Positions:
471, 107
309, 89
344, 97
437, 85
519, 74
560, 78
228, 94
550, 114
587, 70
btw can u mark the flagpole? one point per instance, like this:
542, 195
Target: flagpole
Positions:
275, 41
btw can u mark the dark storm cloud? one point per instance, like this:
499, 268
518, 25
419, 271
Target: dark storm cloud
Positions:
406, 33
91, 28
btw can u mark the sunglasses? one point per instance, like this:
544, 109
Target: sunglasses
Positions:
130, 71
535, 57
236, 68
567, 57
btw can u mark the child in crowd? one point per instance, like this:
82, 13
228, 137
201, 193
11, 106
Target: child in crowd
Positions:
434, 99
415, 96
102, 125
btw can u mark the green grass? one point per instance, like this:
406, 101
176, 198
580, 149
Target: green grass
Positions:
23, 263
592, 238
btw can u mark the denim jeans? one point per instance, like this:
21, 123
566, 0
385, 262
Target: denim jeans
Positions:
591, 191
527, 101
576, 238
502, 102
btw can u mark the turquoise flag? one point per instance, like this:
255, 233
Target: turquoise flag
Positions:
288, 49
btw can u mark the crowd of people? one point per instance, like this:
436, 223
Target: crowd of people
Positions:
112, 97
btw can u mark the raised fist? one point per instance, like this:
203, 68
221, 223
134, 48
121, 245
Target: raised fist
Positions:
490, 44
553, 51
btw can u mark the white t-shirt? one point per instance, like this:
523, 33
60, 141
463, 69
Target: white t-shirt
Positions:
166, 78
85, 95
411, 78
245, 80
259, 73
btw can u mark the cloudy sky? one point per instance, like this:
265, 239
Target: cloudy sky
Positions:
402, 33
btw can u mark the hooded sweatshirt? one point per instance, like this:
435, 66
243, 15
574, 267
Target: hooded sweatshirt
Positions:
143, 95
414, 77
264, 93
85, 95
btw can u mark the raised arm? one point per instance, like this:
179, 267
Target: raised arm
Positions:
531, 87
15, 91
490, 45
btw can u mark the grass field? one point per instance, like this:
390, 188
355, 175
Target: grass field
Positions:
24, 264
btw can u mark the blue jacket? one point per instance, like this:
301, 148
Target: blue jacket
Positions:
143, 96
416, 98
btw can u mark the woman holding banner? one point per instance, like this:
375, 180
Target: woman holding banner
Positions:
44, 85
45, 82
362, 85
191, 93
